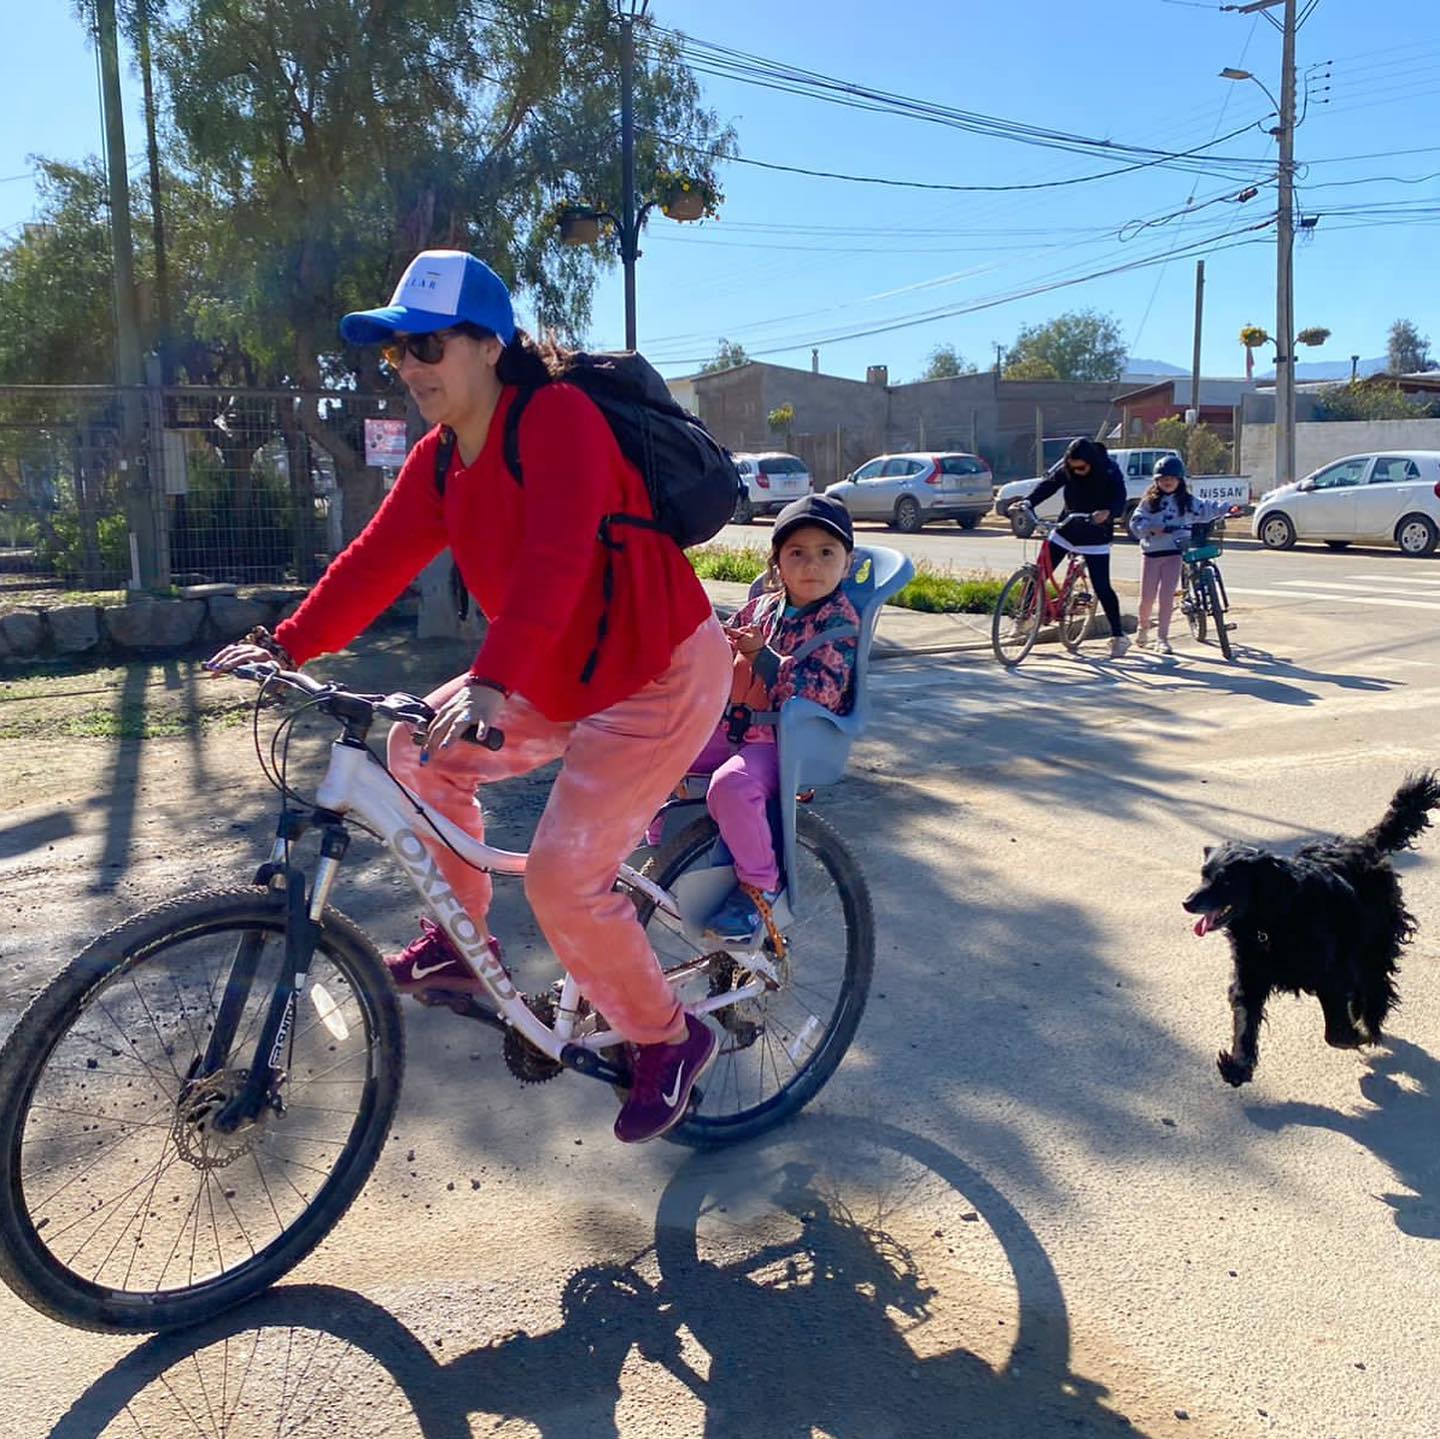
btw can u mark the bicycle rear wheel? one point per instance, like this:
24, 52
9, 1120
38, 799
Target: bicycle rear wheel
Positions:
1075, 618
778, 1049
1015, 625
122, 1207
1192, 601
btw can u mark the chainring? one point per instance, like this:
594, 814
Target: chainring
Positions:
522, 1059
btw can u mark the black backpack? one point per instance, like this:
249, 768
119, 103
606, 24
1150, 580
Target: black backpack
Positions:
691, 480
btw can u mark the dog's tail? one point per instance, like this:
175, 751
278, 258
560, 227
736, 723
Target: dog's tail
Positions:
1409, 813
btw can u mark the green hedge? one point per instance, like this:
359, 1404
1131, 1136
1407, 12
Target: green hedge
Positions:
934, 590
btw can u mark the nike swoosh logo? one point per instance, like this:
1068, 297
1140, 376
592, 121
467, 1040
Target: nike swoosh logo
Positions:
419, 971
673, 1097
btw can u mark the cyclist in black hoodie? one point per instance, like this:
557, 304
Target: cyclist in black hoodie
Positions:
1094, 498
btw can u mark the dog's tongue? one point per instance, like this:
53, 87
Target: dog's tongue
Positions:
1204, 925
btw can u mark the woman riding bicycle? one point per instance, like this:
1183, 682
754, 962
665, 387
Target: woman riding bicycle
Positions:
620, 673
1093, 498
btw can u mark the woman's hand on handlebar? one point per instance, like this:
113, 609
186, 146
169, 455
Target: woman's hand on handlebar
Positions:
229, 657
471, 705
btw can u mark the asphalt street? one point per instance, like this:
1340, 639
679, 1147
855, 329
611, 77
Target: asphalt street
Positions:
1025, 1206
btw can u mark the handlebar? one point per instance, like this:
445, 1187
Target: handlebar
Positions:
351, 706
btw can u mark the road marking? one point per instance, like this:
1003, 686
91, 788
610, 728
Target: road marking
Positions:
1339, 599
1335, 585
1398, 579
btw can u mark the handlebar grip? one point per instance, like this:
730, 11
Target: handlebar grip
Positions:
492, 739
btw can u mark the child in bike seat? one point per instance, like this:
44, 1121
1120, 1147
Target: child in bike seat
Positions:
1161, 523
798, 638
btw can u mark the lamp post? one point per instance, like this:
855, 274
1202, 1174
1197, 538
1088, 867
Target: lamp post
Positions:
579, 224
1284, 132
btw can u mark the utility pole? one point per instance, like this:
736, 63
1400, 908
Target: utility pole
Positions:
1284, 261
128, 373
1199, 321
628, 11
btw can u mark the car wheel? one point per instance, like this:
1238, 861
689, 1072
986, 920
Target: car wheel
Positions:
1276, 532
968, 522
1022, 523
1416, 535
907, 515
744, 511
1337, 544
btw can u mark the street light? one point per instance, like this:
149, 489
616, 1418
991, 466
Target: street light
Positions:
1284, 132
691, 200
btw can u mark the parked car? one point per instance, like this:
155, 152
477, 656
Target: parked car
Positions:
772, 480
910, 490
1138, 467
1391, 499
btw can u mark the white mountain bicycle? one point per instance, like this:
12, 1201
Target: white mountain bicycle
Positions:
196, 1099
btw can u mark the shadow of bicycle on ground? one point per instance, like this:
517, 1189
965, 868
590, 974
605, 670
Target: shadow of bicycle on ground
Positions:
843, 1277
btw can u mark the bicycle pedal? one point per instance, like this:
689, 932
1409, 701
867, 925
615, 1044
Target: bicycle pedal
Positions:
1229, 627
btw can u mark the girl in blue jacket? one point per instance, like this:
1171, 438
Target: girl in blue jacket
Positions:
1161, 523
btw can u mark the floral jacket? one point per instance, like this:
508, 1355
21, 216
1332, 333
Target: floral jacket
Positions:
825, 673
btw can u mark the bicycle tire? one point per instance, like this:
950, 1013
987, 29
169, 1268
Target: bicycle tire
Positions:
699, 1130
1192, 601
1075, 617
28, 1264
1217, 613
1019, 602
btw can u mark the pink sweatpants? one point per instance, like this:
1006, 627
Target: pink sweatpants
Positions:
743, 780
1158, 573
619, 766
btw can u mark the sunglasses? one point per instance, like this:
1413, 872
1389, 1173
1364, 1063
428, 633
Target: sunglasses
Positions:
428, 349
1080, 467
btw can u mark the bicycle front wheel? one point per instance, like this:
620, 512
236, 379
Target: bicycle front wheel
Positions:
123, 1207
1075, 618
1015, 625
779, 1048
1216, 606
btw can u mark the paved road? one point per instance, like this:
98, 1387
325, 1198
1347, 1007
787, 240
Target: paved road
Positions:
1025, 1207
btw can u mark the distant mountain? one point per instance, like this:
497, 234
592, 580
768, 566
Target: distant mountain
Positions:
1153, 367
1330, 369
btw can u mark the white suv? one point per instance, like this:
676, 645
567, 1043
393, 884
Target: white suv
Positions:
772, 480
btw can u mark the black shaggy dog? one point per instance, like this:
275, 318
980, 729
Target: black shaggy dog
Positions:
1328, 920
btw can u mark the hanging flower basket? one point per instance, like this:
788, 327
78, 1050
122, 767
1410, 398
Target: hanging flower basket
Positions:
579, 227
684, 203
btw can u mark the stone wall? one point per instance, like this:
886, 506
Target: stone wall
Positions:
202, 616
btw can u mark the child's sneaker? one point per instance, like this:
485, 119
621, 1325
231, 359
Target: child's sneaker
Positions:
1164, 648
1118, 646
738, 918
661, 1079
1142, 639
431, 962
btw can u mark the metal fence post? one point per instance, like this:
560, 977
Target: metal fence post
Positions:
155, 558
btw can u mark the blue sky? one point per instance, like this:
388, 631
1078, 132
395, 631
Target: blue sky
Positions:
796, 261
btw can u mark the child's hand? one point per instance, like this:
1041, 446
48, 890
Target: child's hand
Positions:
748, 640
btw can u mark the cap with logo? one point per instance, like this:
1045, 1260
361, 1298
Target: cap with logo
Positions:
814, 510
438, 289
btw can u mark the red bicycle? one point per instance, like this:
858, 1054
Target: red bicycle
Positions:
1032, 597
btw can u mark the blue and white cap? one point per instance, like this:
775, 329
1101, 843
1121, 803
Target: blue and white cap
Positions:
438, 289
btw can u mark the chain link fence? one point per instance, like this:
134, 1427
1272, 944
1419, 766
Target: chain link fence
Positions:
202, 485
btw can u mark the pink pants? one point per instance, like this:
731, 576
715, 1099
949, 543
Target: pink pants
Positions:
1158, 573
743, 780
619, 766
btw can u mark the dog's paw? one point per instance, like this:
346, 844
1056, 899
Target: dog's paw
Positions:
1233, 1071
